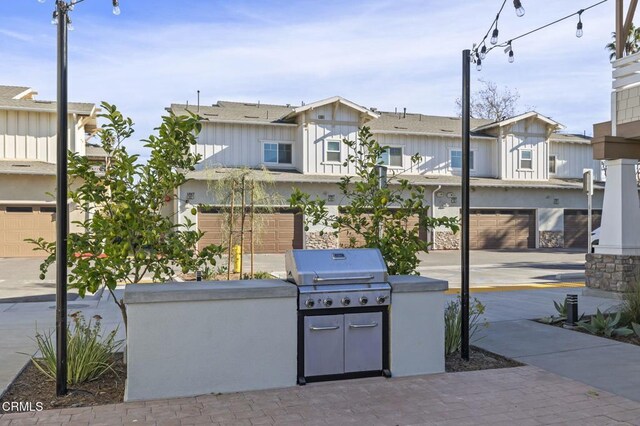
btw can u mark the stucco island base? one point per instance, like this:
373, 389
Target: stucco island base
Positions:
187, 339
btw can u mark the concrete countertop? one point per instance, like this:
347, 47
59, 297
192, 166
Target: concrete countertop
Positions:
416, 283
208, 290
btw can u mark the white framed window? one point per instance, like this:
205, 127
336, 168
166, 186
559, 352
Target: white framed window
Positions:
526, 159
332, 151
455, 159
280, 153
552, 164
392, 156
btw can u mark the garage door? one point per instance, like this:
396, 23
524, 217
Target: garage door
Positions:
276, 232
348, 238
576, 234
502, 229
20, 222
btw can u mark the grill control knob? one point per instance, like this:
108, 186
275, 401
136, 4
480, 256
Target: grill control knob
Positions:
364, 300
309, 303
381, 299
327, 302
346, 301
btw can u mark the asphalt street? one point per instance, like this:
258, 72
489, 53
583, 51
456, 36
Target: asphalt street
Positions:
19, 277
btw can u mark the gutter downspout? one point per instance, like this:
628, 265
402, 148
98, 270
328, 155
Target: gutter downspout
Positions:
433, 204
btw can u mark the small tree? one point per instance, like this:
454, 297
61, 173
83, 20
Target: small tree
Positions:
238, 193
380, 216
126, 234
491, 103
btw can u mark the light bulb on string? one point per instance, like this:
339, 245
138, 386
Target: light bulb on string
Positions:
494, 36
116, 7
579, 31
54, 18
478, 64
511, 59
519, 9
483, 52
509, 50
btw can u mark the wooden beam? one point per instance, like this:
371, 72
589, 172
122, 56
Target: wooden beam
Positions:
620, 36
629, 19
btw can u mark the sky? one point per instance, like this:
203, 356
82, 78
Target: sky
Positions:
385, 54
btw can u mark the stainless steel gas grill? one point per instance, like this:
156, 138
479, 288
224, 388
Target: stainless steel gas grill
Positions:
343, 313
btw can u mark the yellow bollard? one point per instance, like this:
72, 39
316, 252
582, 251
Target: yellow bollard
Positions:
237, 258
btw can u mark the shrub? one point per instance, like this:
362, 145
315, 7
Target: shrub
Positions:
630, 307
89, 355
604, 325
453, 323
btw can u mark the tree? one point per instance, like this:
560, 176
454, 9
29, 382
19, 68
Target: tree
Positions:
126, 234
380, 216
491, 103
631, 45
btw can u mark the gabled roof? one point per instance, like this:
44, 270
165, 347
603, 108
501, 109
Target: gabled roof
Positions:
241, 112
329, 101
46, 106
15, 92
524, 116
401, 123
23, 167
570, 138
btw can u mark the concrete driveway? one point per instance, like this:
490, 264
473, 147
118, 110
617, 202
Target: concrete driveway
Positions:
19, 280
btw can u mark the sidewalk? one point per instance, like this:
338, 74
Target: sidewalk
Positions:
596, 361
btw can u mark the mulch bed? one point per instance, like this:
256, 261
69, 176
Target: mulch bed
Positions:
31, 386
632, 339
479, 359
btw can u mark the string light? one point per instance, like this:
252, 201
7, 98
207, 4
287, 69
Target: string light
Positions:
579, 26
480, 50
54, 18
519, 9
116, 7
69, 24
478, 64
494, 35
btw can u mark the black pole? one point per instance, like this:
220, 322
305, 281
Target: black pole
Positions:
464, 296
61, 206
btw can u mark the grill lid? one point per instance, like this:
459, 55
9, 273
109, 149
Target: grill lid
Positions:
335, 266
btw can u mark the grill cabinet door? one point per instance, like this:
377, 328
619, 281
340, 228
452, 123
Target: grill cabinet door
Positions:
363, 342
323, 345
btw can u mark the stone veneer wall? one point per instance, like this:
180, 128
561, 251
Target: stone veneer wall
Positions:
551, 239
611, 272
446, 240
314, 240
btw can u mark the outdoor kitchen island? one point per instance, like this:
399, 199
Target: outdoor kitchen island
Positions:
196, 338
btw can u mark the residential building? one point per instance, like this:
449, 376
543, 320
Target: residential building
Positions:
28, 132
526, 177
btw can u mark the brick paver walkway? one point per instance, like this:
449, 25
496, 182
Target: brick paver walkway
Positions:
516, 397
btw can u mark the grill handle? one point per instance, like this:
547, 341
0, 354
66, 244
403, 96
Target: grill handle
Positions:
334, 327
359, 278
373, 324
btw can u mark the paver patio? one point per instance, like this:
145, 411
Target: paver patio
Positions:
515, 396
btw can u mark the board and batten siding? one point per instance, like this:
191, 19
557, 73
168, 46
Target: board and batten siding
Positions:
31, 136
573, 158
435, 153
233, 145
525, 135
333, 122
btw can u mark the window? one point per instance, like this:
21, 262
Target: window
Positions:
277, 153
552, 164
455, 157
392, 156
47, 209
333, 152
526, 159
19, 209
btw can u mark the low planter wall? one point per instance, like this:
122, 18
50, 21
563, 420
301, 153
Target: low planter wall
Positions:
188, 339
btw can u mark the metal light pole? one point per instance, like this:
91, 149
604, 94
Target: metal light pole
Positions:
464, 293
61, 204
61, 19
